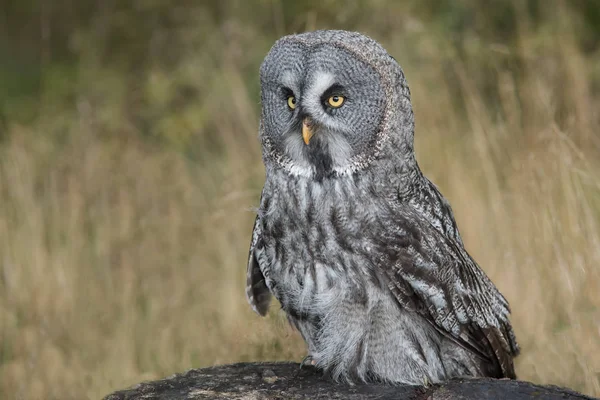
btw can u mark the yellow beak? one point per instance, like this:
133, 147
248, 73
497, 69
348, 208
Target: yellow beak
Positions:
307, 133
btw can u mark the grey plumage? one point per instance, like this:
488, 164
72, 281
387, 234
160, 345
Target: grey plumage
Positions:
361, 250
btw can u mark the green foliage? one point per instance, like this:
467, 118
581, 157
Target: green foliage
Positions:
158, 65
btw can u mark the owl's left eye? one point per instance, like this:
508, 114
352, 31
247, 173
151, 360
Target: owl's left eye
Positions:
335, 101
291, 102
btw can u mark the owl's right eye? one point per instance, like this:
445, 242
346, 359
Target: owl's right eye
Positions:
291, 102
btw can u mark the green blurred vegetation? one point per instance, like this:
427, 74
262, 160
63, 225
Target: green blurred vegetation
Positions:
129, 162
158, 64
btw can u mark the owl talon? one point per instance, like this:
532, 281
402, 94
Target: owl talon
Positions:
308, 360
426, 382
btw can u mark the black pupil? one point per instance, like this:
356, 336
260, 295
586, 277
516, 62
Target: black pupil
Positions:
335, 99
293, 100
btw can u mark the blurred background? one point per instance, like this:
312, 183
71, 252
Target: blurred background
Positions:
130, 166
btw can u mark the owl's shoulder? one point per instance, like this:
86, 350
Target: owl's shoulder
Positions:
424, 200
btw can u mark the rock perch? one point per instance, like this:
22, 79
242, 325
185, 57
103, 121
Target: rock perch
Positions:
285, 380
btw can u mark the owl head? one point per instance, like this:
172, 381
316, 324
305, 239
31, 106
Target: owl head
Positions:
333, 103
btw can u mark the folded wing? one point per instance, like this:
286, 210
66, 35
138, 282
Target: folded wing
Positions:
434, 276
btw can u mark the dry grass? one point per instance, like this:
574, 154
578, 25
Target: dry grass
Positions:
124, 261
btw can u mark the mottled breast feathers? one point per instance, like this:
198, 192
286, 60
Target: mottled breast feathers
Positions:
429, 272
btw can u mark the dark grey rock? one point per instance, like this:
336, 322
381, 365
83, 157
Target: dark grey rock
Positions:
286, 380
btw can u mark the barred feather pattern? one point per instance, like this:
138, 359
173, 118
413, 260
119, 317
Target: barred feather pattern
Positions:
367, 261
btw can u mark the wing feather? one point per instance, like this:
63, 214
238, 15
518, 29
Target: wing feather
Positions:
257, 292
433, 275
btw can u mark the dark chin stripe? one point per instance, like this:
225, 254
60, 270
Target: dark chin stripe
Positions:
318, 155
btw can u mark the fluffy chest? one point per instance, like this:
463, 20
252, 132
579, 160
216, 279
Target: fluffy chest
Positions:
319, 239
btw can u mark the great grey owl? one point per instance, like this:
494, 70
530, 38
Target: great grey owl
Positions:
359, 247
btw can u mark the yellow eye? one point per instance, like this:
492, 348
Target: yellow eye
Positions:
291, 100
336, 101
